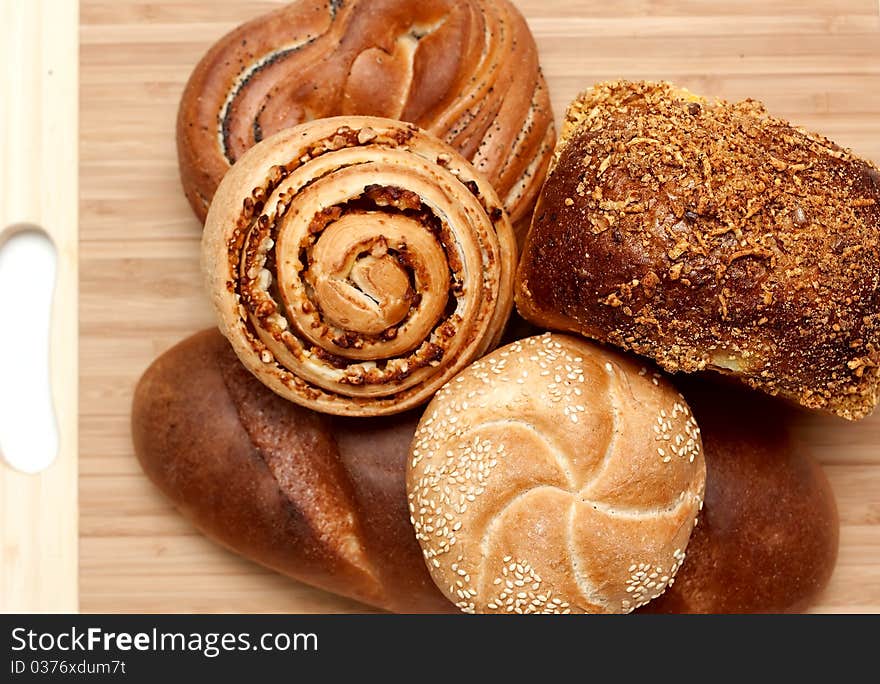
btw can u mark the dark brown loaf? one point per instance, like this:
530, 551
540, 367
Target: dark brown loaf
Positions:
768, 533
709, 235
317, 498
287, 487
465, 70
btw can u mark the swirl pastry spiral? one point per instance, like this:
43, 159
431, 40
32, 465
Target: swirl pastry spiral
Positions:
555, 476
465, 70
358, 263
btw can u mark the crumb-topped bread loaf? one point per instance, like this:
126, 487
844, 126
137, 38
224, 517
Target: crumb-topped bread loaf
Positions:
710, 235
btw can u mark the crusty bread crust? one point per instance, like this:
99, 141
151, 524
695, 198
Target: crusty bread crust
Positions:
466, 70
317, 498
323, 499
709, 235
555, 476
767, 537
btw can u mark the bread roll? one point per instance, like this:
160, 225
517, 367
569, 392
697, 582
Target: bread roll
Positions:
465, 70
318, 498
356, 264
555, 476
243, 466
767, 536
709, 235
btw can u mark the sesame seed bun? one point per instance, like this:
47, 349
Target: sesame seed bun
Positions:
555, 476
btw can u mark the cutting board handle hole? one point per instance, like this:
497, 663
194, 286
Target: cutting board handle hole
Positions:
28, 429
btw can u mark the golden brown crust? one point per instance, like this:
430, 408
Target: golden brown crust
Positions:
466, 71
240, 463
317, 498
709, 235
358, 263
555, 476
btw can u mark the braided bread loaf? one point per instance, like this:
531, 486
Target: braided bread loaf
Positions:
465, 70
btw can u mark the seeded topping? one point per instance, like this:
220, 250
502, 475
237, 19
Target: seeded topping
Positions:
706, 234
532, 488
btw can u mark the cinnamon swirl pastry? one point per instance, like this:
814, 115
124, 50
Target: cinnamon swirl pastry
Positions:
357, 263
465, 70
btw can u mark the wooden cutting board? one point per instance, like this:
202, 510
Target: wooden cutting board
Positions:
816, 62
38, 207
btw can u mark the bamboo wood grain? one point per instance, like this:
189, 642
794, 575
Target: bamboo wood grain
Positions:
38, 513
816, 62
